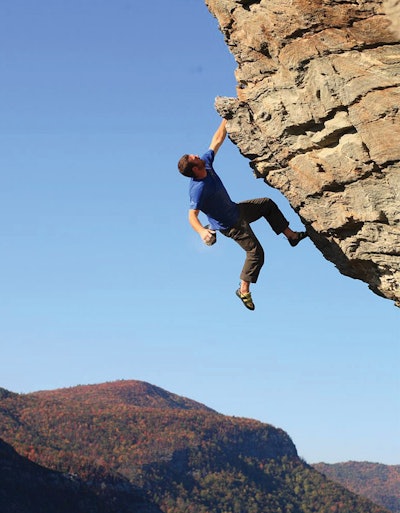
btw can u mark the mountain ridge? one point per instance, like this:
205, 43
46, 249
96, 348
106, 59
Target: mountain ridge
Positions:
376, 481
186, 456
132, 392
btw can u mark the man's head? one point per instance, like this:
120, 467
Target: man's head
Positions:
192, 166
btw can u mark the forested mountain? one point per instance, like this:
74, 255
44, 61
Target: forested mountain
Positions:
26, 487
187, 457
380, 483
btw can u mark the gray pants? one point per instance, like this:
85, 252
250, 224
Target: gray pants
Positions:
251, 211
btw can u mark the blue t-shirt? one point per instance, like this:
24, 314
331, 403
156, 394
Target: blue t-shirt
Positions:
210, 196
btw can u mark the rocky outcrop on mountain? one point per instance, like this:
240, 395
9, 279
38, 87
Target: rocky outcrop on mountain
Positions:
317, 113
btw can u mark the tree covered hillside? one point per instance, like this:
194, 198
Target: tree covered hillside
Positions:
379, 483
188, 457
26, 487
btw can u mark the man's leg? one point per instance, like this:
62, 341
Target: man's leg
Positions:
245, 237
254, 209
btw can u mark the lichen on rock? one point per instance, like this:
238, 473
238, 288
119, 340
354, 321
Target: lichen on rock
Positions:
317, 113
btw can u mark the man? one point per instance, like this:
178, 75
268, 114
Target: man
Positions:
208, 195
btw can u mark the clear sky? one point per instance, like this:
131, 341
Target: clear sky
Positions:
102, 278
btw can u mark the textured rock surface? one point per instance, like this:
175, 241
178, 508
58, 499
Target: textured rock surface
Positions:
392, 10
317, 113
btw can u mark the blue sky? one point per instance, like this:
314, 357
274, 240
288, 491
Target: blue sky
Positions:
102, 277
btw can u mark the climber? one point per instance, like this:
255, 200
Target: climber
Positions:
208, 195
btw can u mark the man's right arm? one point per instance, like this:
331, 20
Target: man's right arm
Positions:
204, 233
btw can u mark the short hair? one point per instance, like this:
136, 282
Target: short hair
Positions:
185, 166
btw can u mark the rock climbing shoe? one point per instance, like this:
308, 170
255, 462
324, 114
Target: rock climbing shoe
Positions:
300, 237
246, 299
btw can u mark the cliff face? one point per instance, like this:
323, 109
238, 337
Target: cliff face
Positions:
317, 113
392, 10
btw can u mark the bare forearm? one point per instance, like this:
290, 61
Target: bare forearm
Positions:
218, 137
194, 221
206, 234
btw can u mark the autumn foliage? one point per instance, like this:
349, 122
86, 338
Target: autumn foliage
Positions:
187, 457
